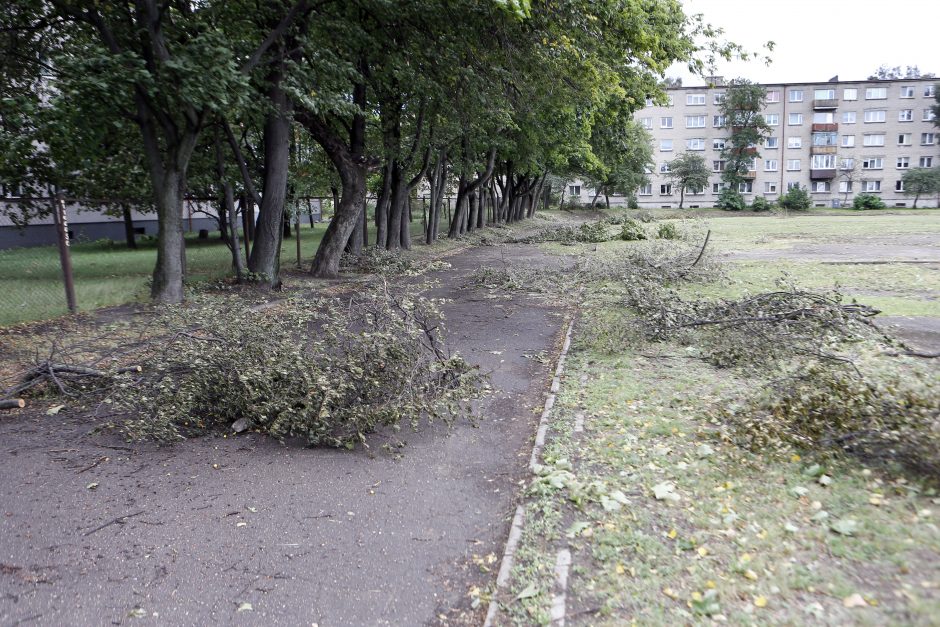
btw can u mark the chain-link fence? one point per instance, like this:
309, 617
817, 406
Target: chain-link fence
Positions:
32, 279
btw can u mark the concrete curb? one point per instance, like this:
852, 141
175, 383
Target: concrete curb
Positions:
515, 531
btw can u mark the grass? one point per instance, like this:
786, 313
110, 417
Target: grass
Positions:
733, 535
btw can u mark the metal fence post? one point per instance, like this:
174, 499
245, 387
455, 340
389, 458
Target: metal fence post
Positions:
65, 257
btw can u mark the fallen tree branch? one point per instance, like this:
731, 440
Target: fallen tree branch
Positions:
120, 520
13, 403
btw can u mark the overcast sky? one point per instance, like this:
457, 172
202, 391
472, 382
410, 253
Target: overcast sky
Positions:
817, 39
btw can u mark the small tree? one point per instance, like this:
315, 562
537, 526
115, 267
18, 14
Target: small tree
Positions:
741, 110
688, 170
796, 199
850, 176
921, 181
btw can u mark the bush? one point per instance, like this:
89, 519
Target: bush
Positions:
761, 204
868, 201
645, 217
632, 231
327, 370
632, 203
593, 232
667, 230
731, 200
796, 199
618, 218
887, 418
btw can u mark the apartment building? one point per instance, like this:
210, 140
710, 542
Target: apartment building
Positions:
837, 139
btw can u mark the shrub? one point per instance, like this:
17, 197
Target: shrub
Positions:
796, 199
632, 203
327, 370
645, 217
761, 204
593, 232
632, 231
667, 230
731, 200
618, 218
887, 418
868, 201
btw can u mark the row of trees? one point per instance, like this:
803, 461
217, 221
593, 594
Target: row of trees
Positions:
260, 103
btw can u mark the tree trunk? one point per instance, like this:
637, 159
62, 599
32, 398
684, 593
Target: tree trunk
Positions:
266, 252
129, 226
170, 270
381, 207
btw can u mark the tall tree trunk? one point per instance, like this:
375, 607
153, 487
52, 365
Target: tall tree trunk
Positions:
381, 207
129, 236
170, 270
227, 208
266, 253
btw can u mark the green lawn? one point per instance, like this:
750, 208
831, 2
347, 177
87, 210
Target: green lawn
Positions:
108, 273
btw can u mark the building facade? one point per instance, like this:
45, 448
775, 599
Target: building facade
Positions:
836, 139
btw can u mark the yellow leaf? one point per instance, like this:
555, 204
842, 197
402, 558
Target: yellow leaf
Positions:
745, 558
854, 600
710, 584
795, 458
669, 592
672, 534
750, 574
760, 601
619, 569
702, 551
696, 596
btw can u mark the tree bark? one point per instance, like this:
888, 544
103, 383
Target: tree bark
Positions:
129, 226
266, 252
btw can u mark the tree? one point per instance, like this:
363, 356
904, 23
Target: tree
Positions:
921, 181
688, 170
935, 108
850, 175
885, 73
747, 129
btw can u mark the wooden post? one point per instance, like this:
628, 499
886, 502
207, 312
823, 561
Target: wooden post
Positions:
65, 257
297, 234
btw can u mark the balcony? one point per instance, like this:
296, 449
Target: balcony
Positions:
822, 175
750, 174
823, 150
825, 104
825, 128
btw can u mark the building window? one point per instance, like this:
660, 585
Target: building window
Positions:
773, 95
770, 187
927, 139
664, 167
929, 91
646, 123
820, 187
695, 121
850, 93
665, 189
848, 117
845, 187
772, 142
823, 117
719, 98
717, 187
876, 93
929, 115
665, 122
794, 142
871, 186
574, 190
796, 95
926, 162
847, 164
906, 115
770, 165
823, 162
695, 191
874, 139
696, 143
848, 141
795, 119
793, 185
825, 139
718, 166
649, 102
646, 190
793, 165
873, 163
746, 187
907, 92
718, 144
824, 94
875, 115
904, 139
665, 145
904, 163
695, 99
899, 186
719, 121
772, 119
